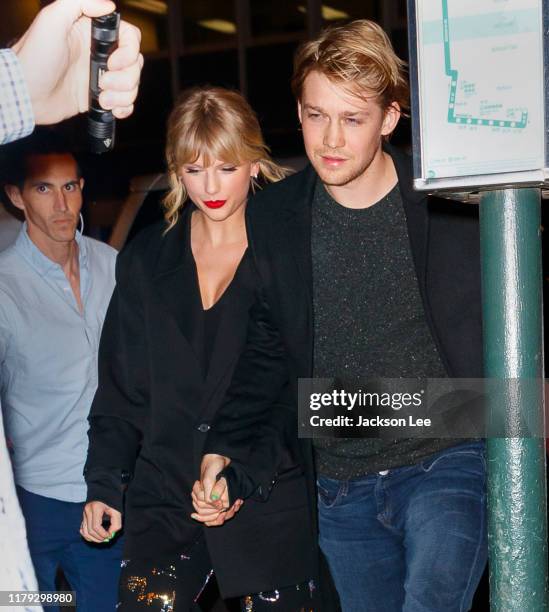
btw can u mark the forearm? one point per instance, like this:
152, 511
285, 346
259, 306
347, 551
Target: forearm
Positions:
251, 427
258, 451
119, 411
113, 449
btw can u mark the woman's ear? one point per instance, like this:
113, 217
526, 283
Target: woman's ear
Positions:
255, 168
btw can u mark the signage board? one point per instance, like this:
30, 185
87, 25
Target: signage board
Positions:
478, 93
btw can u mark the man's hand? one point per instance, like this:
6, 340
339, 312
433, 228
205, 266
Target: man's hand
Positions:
55, 56
91, 529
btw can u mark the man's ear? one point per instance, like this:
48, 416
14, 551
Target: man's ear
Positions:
81, 182
14, 194
392, 116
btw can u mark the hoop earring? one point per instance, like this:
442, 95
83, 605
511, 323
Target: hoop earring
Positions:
81, 224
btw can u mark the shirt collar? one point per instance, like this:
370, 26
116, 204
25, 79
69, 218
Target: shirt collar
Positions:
40, 262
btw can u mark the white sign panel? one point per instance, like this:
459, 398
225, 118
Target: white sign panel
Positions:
480, 88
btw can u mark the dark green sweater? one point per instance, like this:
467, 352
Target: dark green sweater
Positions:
369, 321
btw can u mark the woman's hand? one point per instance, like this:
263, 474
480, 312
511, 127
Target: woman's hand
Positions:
211, 513
91, 528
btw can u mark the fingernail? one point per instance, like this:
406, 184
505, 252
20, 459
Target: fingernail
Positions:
194, 516
214, 496
106, 540
112, 535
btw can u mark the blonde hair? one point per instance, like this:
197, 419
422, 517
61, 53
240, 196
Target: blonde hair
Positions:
218, 124
359, 55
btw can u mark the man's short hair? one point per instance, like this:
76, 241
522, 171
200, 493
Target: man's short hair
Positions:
43, 141
358, 55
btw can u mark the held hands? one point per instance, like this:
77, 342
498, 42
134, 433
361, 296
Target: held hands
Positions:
55, 57
210, 496
91, 528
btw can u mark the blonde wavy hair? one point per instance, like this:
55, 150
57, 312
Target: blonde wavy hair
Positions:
360, 56
218, 124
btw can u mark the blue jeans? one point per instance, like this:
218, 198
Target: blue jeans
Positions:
92, 570
412, 539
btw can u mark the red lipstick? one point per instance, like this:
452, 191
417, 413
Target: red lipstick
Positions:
214, 203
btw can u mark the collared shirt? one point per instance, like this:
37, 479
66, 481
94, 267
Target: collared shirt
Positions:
16, 114
48, 361
16, 571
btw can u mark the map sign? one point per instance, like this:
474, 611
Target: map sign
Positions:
481, 87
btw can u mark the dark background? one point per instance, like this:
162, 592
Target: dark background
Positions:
242, 44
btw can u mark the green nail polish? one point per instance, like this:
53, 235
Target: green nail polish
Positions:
106, 540
214, 496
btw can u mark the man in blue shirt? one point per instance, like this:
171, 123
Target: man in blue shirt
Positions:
55, 287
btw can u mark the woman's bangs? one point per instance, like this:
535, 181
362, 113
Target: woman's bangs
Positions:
212, 143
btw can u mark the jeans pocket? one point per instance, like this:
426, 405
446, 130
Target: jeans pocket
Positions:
470, 455
329, 491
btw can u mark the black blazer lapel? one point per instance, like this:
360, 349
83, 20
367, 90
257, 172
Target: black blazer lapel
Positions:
417, 218
298, 221
174, 279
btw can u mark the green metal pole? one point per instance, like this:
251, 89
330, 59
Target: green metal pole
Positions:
510, 223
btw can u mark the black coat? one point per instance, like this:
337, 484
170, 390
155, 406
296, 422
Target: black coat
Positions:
444, 242
152, 411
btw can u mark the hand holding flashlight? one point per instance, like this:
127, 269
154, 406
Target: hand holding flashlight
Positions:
54, 54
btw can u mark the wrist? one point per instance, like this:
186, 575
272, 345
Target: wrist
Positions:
28, 76
220, 458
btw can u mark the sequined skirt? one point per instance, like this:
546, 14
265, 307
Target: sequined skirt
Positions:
296, 598
175, 585
148, 585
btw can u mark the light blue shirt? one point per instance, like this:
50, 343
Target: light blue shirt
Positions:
48, 362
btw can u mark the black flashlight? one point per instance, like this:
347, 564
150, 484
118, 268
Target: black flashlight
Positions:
104, 40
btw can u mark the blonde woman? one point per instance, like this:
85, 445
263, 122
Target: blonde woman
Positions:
172, 336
